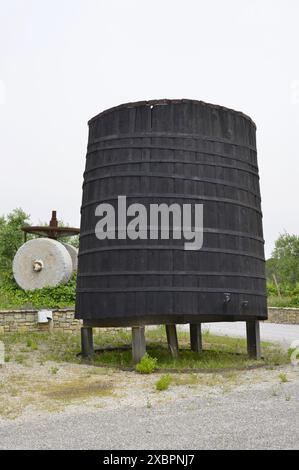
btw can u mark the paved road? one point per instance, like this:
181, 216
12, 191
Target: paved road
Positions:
284, 334
252, 418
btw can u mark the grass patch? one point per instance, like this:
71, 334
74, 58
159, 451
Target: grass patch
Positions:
49, 394
26, 348
283, 301
20, 359
163, 383
186, 379
74, 390
220, 352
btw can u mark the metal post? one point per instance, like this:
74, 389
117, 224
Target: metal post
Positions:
138, 343
86, 341
253, 339
172, 340
195, 337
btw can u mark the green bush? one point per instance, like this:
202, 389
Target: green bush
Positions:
284, 263
147, 365
163, 383
289, 295
283, 272
11, 238
11, 296
271, 289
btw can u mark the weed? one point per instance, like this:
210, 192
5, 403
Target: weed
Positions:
283, 377
274, 392
147, 365
30, 343
163, 383
20, 359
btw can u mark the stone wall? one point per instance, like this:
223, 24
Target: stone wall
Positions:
27, 320
63, 320
283, 315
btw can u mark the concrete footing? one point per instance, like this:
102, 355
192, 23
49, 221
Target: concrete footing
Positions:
172, 340
138, 343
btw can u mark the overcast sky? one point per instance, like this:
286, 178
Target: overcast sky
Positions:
63, 61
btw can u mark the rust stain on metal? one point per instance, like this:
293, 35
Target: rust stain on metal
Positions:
52, 230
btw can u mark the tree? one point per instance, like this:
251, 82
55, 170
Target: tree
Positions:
11, 238
284, 263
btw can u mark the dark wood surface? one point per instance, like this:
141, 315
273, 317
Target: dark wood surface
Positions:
195, 337
173, 152
253, 339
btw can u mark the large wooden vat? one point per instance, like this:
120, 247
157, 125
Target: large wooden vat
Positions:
173, 151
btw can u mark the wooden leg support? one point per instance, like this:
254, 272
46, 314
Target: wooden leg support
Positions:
138, 343
172, 340
253, 339
195, 337
87, 341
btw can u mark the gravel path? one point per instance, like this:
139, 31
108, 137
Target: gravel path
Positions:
261, 415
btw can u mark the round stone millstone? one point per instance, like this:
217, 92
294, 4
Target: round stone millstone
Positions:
73, 254
40, 263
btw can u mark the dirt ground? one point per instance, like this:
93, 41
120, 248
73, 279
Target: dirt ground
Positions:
38, 389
